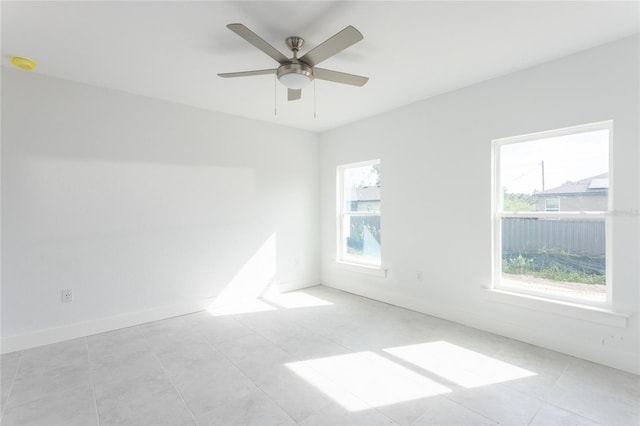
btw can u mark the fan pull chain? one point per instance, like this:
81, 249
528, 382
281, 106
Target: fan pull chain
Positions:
314, 99
275, 96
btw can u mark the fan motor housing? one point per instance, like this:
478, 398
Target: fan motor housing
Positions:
294, 43
295, 75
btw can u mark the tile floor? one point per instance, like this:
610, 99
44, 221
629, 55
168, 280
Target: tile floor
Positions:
313, 357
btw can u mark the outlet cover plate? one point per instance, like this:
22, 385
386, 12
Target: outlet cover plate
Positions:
67, 295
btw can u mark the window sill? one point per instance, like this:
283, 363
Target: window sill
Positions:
598, 315
363, 269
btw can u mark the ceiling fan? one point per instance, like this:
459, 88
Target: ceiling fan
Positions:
295, 73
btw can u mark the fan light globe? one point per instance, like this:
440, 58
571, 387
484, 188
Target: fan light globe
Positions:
295, 75
294, 80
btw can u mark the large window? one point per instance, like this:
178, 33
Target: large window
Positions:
359, 239
551, 214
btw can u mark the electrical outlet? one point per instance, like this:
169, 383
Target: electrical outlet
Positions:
67, 295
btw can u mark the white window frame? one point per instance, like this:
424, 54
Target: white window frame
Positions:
343, 214
498, 214
551, 209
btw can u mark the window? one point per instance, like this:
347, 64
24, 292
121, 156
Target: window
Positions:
552, 205
359, 239
551, 214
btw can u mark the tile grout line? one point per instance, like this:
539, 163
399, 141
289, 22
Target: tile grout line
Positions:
247, 377
553, 404
565, 372
93, 389
597, 422
540, 399
471, 409
555, 383
13, 380
310, 330
155, 354
544, 401
376, 408
535, 414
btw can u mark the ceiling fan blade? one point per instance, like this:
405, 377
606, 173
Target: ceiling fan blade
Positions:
333, 45
247, 73
258, 42
294, 94
339, 77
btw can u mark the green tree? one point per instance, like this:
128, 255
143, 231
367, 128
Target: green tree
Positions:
518, 202
376, 170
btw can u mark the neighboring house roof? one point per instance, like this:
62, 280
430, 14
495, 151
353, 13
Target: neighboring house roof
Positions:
367, 193
592, 185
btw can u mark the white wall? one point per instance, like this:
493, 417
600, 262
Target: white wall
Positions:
436, 208
149, 209
145, 208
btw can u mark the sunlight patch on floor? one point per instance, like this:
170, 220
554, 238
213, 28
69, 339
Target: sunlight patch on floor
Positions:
363, 380
459, 365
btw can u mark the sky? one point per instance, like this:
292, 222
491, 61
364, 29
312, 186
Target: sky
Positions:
360, 176
566, 158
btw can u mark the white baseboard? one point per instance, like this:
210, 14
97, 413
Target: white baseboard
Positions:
88, 328
296, 285
612, 358
102, 325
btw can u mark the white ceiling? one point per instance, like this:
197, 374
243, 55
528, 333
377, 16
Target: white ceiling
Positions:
410, 51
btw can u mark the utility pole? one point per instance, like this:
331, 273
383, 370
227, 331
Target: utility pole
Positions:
542, 163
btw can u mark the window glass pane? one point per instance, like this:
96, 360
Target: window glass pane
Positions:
362, 238
362, 188
562, 256
359, 233
552, 204
563, 173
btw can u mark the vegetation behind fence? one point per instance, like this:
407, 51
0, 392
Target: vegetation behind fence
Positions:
563, 250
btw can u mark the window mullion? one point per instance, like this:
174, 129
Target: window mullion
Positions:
555, 215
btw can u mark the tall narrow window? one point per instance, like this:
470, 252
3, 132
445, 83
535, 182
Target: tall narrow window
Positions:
359, 239
551, 214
